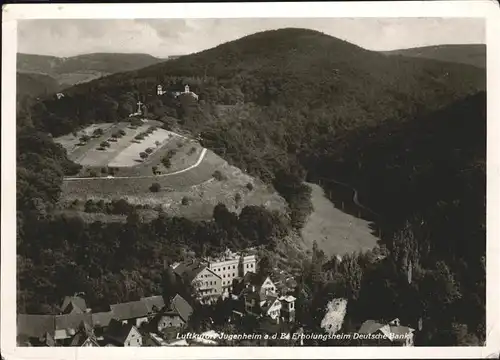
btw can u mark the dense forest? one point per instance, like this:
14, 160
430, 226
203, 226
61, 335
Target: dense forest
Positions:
290, 105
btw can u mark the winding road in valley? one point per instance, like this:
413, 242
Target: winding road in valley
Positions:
198, 162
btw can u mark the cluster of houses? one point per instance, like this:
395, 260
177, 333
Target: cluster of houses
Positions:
151, 321
134, 323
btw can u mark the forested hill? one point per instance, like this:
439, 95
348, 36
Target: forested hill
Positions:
408, 133
35, 84
75, 69
471, 54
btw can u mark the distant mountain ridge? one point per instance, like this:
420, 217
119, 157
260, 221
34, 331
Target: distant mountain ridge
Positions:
469, 54
68, 71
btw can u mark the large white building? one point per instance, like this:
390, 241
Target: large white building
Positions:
231, 266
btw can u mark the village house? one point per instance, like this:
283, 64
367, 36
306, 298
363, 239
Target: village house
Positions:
259, 297
74, 304
122, 334
207, 283
392, 334
176, 315
133, 312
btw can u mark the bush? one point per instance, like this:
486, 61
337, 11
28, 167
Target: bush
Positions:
143, 155
105, 144
85, 138
179, 144
104, 170
97, 132
100, 148
166, 162
191, 151
250, 186
185, 200
139, 137
154, 169
122, 132
237, 198
92, 173
148, 150
155, 187
218, 176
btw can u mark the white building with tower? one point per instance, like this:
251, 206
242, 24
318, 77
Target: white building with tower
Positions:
187, 91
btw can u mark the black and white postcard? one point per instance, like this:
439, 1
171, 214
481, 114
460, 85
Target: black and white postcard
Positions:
250, 180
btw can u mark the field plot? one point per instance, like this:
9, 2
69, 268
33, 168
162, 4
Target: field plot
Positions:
70, 142
130, 155
113, 187
98, 158
335, 231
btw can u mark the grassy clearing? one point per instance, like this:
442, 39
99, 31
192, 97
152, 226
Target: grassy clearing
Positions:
335, 231
198, 185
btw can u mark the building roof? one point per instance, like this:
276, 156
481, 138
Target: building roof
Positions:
182, 307
254, 279
35, 325
73, 304
129, 310
369, 327
118, 332
73, 321
80, 338
189, 269
102, 318
400, 330
154, 303
270, 300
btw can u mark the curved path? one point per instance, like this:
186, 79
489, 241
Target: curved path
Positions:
198, 162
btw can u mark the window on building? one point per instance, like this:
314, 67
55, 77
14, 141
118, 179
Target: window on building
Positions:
234, 274
224, 268
234, 266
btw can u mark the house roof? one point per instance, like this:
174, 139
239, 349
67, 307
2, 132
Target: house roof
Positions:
154, 302
369, 327
182, 307
73, 304
80, 338
400, 330
118, 332
189, 269
72, 321
270, 300
129, 310
102, 318
35, 325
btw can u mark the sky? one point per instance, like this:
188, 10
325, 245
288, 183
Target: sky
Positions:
167, 37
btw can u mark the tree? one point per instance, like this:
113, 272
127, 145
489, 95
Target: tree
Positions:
265, 266
155, 187
237, 198
143, 155
185, 200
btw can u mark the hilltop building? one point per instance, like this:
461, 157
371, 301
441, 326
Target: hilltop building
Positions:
186, 91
